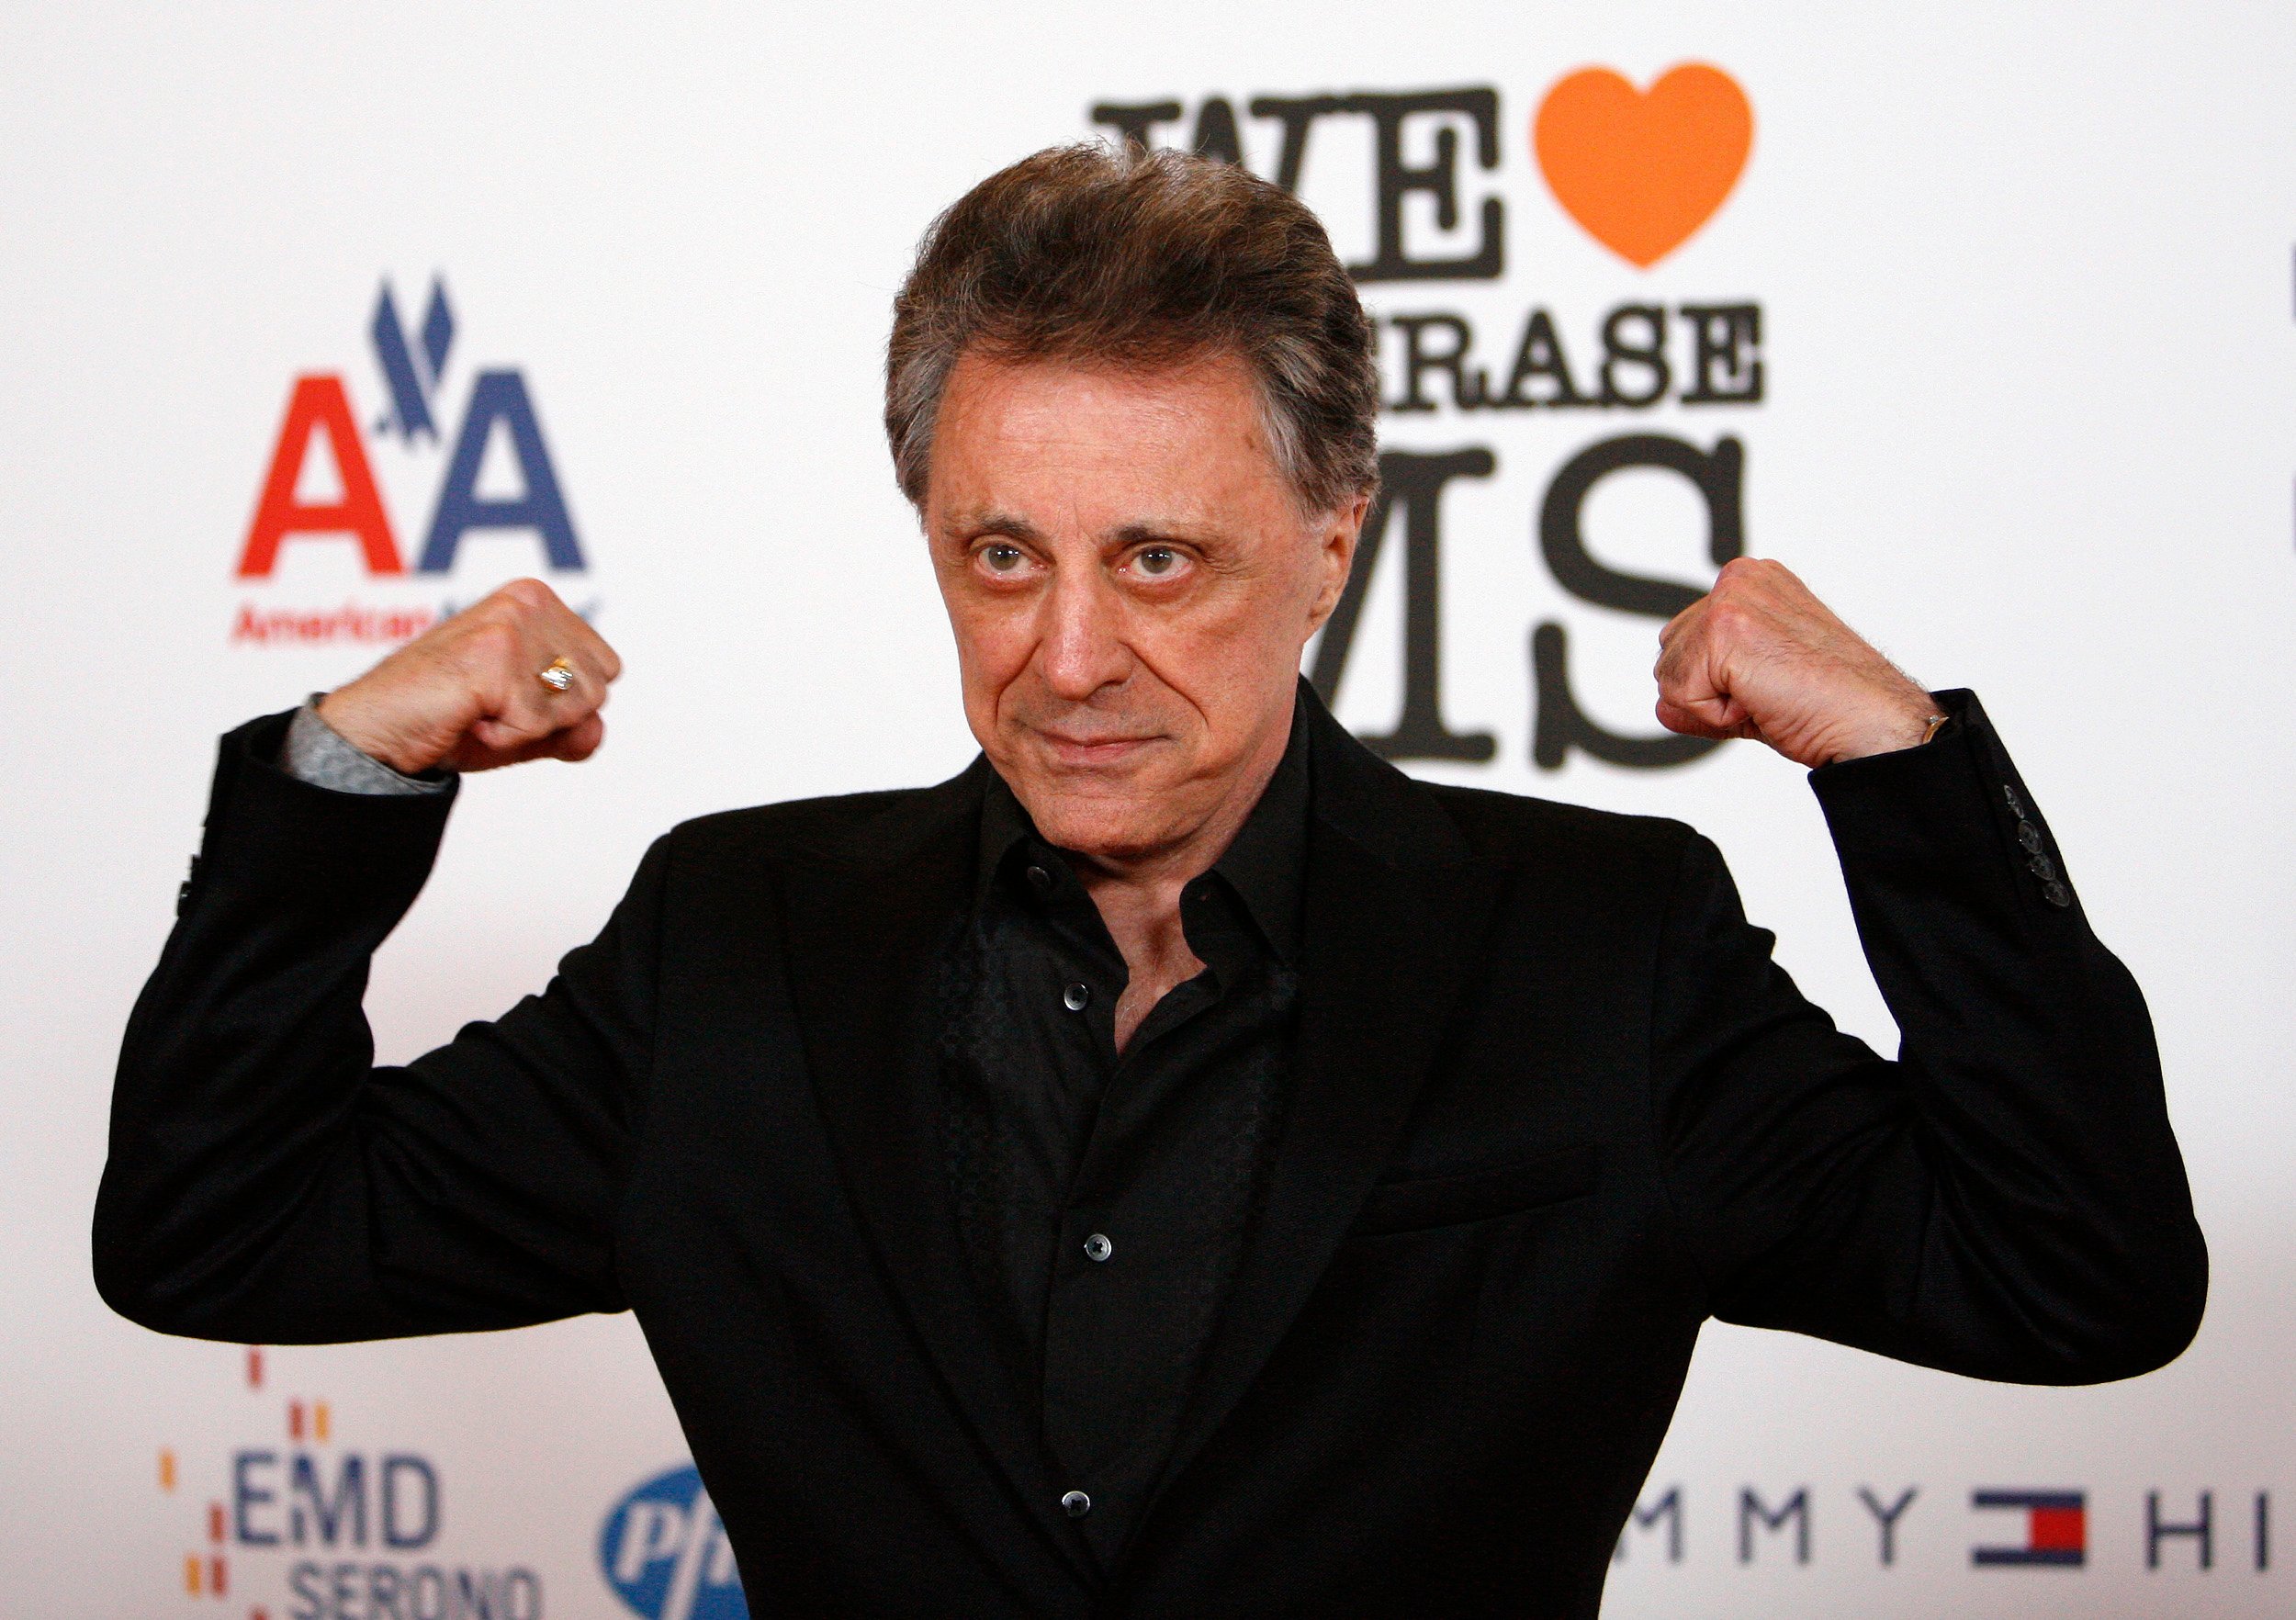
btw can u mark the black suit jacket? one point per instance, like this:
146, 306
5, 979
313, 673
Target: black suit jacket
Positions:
1555, 1107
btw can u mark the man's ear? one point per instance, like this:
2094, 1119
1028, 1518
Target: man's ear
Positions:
1335, 535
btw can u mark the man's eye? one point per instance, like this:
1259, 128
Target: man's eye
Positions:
1003, 559
1158, 561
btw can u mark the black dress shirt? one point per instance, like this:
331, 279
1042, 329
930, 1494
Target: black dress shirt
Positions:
1104, 1198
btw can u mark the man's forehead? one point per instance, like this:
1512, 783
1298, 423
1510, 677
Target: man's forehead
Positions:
1043, 447
1093, 410
1222, 369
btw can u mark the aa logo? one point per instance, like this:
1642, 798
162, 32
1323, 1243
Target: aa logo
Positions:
665, 1556
319, 422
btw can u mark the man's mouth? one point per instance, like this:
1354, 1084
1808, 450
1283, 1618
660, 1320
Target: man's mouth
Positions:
1094, 749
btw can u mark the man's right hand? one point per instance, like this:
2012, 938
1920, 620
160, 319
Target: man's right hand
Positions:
469, 693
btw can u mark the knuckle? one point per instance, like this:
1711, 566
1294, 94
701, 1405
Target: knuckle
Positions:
1743, 574
493, 643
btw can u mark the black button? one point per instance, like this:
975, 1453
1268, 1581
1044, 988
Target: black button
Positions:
1077, 997
1039, 879
2057, 895
2016, 805
2042, 868
1075, 1504
1098, 1247
2030, 836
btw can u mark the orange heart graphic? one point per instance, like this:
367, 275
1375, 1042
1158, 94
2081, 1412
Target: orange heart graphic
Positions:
1642, 170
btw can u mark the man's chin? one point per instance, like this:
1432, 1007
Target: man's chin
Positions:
1106, 820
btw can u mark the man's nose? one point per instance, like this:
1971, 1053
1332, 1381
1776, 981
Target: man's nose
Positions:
1083, 646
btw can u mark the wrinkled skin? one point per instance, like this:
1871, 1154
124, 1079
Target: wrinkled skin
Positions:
1131, 581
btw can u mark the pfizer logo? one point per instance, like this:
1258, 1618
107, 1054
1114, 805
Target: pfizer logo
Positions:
665, 1556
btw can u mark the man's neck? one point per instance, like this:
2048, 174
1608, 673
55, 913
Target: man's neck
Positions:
1139, 902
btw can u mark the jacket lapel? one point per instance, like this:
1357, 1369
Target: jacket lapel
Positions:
1395, 905
866, 927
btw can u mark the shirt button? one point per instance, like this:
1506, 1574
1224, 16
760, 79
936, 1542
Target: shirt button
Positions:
2042, 868
1074, 997
1098, 1247
2057, 894
1075, 1504
1039, 879
2030, 836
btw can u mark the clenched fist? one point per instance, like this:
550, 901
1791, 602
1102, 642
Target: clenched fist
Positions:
470, 693
1760, 657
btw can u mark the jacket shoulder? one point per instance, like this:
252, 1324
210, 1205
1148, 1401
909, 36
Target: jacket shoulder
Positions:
868, 829
1515, 830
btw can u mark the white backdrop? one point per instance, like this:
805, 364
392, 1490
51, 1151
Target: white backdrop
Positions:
2028, 337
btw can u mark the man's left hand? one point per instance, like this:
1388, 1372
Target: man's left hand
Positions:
1760, 657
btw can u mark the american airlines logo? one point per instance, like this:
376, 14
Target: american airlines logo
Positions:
319, 491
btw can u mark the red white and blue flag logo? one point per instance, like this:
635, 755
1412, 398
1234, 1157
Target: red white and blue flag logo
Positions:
2056, 1526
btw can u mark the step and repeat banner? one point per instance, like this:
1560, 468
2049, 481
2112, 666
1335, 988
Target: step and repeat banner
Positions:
319, 323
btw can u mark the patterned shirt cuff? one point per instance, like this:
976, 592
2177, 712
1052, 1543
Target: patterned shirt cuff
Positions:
317, 753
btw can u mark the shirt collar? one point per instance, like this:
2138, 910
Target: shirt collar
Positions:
1266, 865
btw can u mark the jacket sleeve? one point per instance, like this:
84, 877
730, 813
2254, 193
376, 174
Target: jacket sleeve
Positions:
2005, 1200
267, 1184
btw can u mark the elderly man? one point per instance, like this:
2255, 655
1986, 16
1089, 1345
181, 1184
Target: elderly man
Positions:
1181, 1166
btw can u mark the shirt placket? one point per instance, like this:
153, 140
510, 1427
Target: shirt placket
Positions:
1096, 1285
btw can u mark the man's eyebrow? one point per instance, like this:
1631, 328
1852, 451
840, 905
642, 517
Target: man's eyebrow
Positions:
994, 520
1151, 533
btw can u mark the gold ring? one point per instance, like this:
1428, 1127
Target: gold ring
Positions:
558, 676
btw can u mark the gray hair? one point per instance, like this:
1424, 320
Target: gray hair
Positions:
1142, 260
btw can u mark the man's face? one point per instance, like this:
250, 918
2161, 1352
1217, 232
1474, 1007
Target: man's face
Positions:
1131, 583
